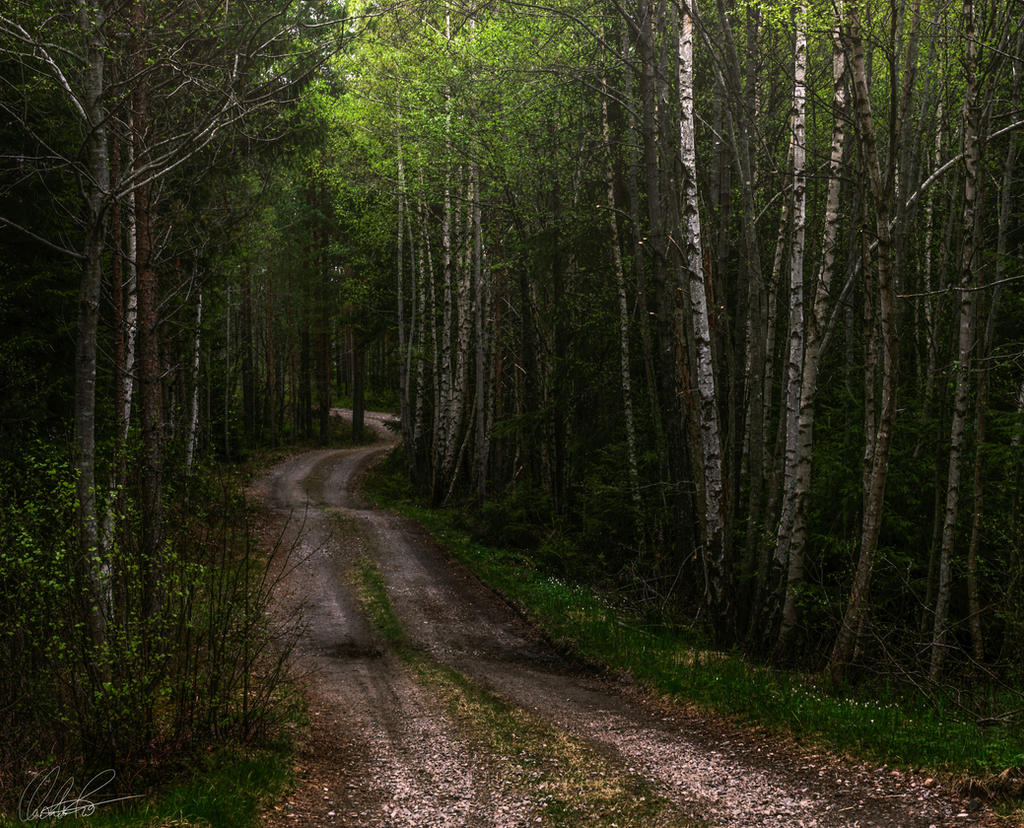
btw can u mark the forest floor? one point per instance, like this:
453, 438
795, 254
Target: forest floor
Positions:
433, 701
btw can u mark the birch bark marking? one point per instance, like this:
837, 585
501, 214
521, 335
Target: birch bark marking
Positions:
794, 365
965, 344
125, 299
92, 19
719, 598
930, 315
878, 443
813, 346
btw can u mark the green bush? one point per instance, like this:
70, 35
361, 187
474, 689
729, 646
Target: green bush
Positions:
202, 664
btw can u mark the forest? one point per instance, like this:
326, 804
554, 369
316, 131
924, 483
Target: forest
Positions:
717, 310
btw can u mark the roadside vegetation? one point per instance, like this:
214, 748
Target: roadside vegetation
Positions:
939, 729
191, 704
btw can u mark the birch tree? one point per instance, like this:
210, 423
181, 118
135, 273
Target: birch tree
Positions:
815, 334
710, 449
795, 360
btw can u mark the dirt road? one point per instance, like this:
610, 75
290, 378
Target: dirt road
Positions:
467, 717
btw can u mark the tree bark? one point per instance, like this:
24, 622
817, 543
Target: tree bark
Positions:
94, 568
795, 358
480, 355
880, 440
624, 355
150, 392
965, 342
404, 403
813, 345
358, 390
719, 598
193, 429
248, 363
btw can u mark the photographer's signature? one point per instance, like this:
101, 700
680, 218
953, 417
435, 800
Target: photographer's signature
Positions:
50, 797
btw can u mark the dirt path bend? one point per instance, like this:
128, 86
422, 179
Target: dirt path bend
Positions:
485, 725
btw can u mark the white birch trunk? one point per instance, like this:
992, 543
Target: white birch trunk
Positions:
813, 346
794, 364
92, 563
930, 299
131, 314
707, 409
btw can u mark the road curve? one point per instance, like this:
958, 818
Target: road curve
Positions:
383, 748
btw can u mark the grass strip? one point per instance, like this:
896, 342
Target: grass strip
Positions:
569, 783
895, 729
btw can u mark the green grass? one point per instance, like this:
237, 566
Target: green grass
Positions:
898, 729
226, 789
374, 596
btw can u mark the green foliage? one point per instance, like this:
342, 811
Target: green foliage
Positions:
204, 665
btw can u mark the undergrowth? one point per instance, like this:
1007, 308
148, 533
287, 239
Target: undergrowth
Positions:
890, 725
179, 700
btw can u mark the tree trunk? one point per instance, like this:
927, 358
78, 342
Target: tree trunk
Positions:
794, 364
813, 345
880, 440
94, 569
404, 406
193, 429
150, 393
624, 358
358, 390
965, 342
425, 280
248, 364
741, 116
480, 360
272, 396
227, 371
719, 599
323, 343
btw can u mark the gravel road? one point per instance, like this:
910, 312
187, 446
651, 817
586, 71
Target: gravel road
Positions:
388, 747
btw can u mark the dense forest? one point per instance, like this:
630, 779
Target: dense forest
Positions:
718, 309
